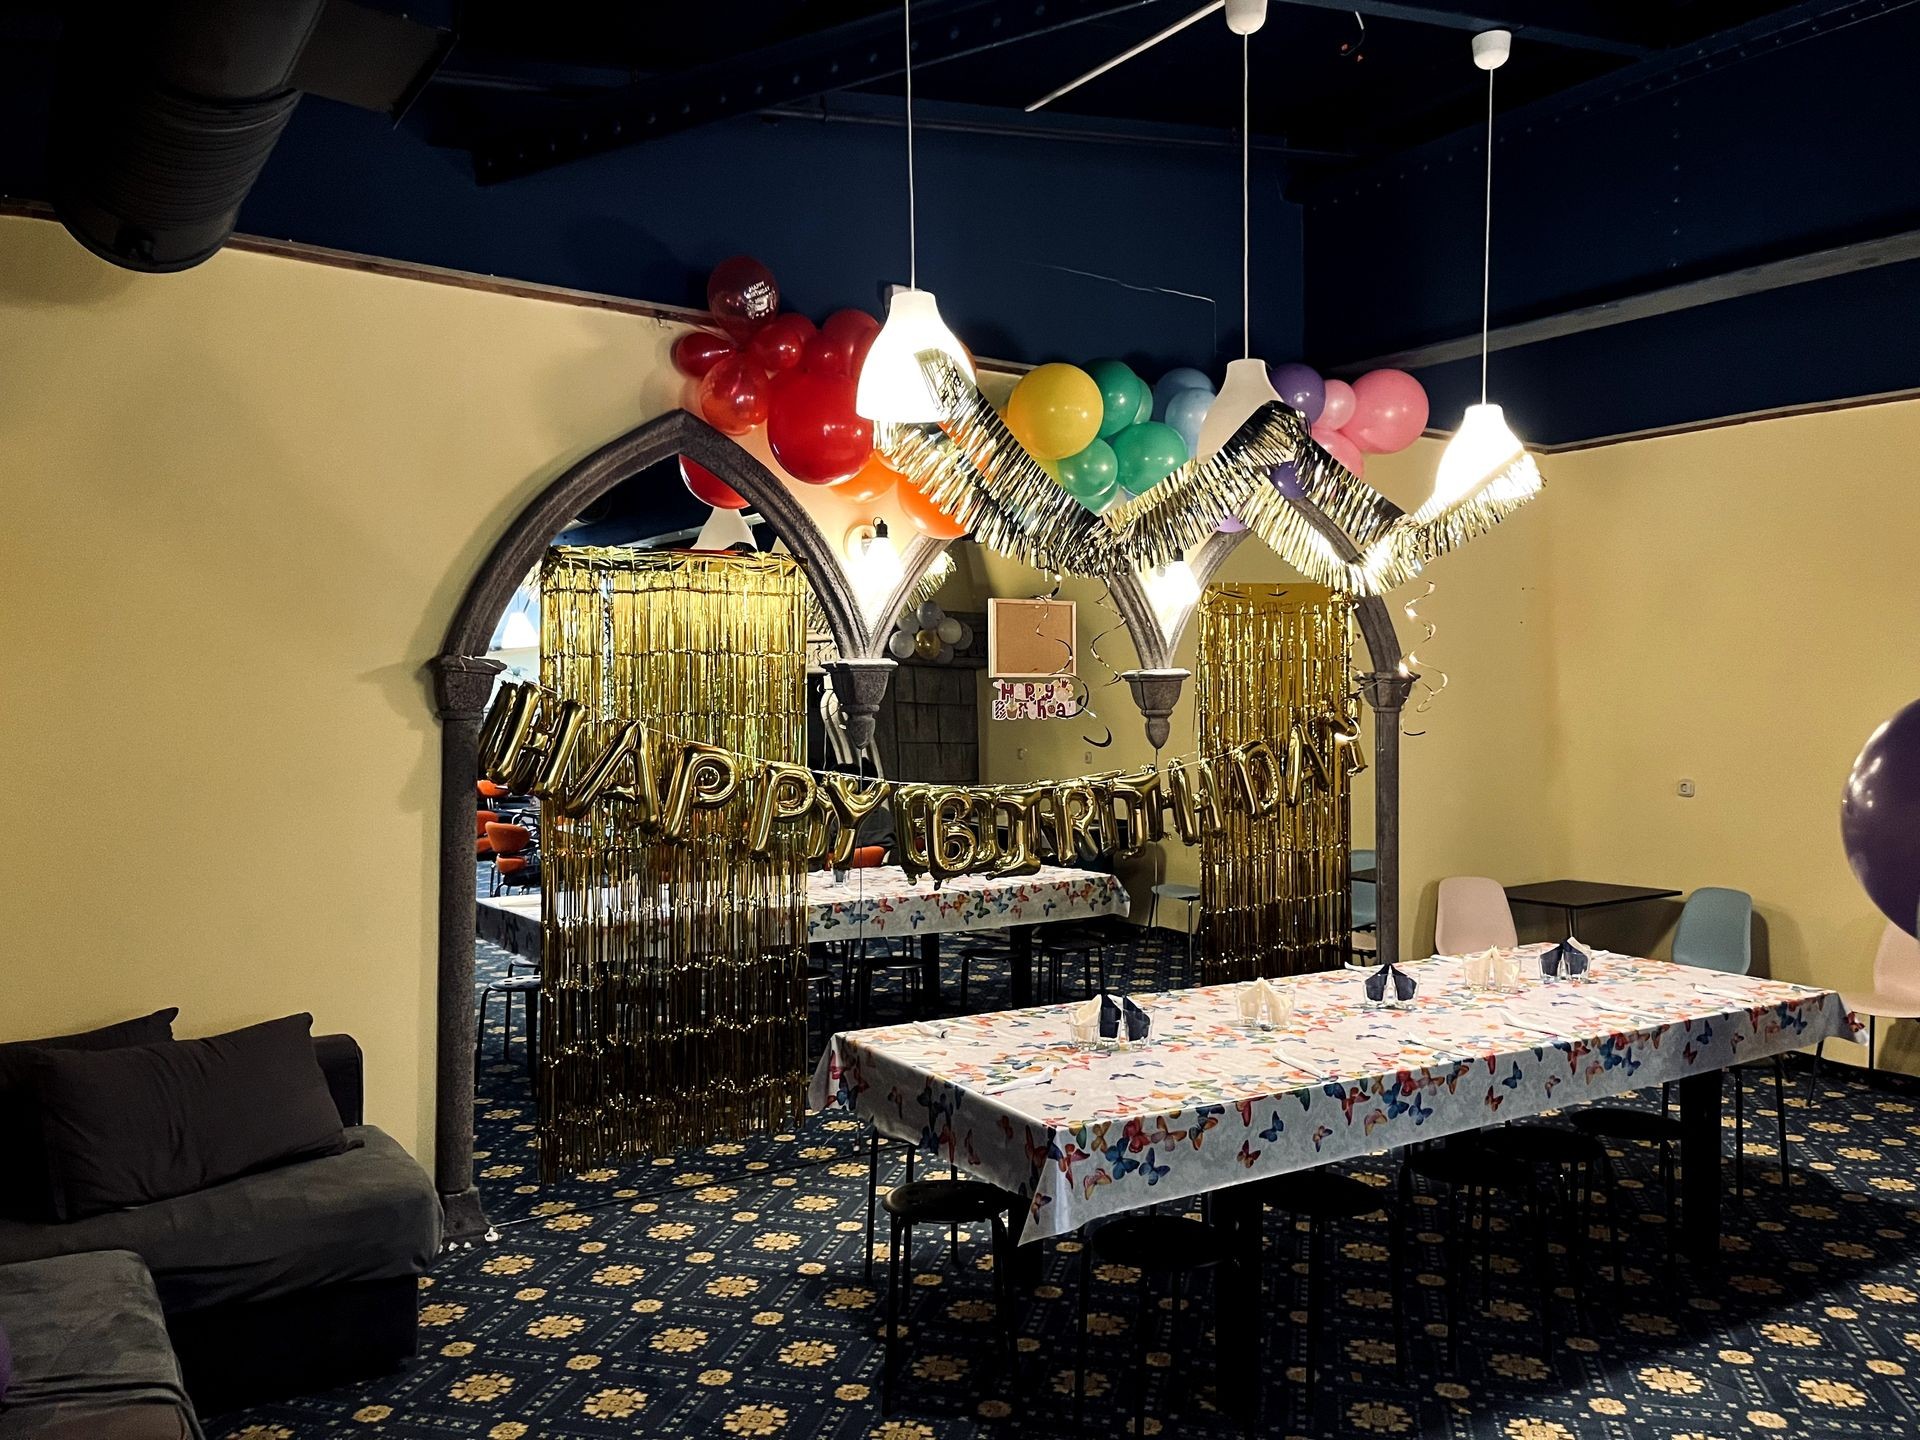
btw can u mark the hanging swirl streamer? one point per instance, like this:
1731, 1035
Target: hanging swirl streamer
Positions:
1411, 664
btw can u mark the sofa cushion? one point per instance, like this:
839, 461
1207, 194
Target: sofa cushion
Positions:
149, 1122
23, 1180
91, 1354
367, 1213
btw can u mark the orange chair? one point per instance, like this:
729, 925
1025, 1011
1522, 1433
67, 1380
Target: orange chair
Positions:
482, 847
866, 857
491, 791
512, 865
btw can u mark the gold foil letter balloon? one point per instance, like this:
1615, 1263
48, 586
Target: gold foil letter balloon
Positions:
1016, 851
704, 778
951, 847
1196, 801
910, 807
781, 792
1255, 775
1135, 800
504, 731
623, 770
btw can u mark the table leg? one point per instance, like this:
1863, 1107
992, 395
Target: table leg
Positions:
1241, 1321
1020, 964
1700, 1166
930, 971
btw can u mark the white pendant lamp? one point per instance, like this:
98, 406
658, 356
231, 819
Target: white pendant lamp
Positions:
893, 388
1484, 459
1247, 385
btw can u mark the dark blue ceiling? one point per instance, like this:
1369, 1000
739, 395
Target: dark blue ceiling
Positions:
1641, 146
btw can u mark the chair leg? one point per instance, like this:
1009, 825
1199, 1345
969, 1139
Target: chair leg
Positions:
873, 1185
953, 1231
480, 1027
1315, 1280
1080, 1362
1780, 1109
1142, 1313
506, 1030
1739, 1135
1397, 1293
532, 1011
1002, 1310
895, 1252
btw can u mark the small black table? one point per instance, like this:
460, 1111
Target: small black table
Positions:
1574, 896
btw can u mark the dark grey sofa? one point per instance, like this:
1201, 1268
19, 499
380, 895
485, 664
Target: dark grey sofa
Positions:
91, 1359
292, 1279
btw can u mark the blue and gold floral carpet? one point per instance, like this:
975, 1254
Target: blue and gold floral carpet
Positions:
722, 1292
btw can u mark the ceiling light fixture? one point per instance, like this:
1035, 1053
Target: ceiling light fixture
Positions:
1484, 458
893, 388
724, 530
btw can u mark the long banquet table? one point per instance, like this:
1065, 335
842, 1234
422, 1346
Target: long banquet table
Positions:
881, 902
1206, 1104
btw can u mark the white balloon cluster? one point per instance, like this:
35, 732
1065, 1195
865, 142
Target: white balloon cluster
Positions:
929, 633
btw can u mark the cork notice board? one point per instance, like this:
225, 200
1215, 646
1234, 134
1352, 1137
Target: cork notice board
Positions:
1030, 637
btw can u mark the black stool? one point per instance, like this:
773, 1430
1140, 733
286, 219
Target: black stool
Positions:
1155, 1245
526, 986
969, 954
1651, 1127
1057, 942
1318, 1197
950, 1203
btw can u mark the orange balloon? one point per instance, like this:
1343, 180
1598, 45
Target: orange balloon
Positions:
929, 519
869, 482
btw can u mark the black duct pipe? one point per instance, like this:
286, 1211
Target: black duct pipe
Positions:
164, 115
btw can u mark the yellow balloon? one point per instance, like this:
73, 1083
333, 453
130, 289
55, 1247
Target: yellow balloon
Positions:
1055, 411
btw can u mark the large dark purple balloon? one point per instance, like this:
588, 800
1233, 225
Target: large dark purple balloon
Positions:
1880, 818
1287, 480
1301, 387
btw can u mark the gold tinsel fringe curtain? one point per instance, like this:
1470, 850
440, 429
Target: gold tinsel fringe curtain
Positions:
673, 982
1274, 891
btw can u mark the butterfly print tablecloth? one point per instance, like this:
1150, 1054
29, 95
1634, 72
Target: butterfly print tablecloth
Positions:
882, 902
1085, 1130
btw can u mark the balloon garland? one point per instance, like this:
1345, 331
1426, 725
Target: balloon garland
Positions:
536, 745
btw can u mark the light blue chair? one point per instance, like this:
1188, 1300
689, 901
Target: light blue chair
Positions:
1366, 894
1715, 933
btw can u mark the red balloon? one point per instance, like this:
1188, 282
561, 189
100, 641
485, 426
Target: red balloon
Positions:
698, 351
708, 488
1341, 448
733, 396
842, 344
781, 343
813, 429
1389, 411
742, 294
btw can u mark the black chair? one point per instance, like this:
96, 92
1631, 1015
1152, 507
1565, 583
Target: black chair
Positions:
859, 959
969, 954
951, 1203
1169, 1246
820, 974
1321, 1197
1057, 942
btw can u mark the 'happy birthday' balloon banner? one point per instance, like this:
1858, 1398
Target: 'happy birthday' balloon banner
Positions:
538, 745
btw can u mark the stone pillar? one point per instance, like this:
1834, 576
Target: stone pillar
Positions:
860, 686
1156, 692
1386, 692
461, 687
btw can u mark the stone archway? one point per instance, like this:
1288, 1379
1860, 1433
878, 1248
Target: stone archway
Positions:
463, 680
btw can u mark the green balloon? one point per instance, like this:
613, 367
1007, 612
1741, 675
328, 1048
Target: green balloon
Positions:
1122, 395
1091, 475
1148, 453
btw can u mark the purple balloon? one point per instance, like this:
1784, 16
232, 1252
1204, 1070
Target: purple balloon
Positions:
1229, 526
1880, 818
1301, 387
1287, 479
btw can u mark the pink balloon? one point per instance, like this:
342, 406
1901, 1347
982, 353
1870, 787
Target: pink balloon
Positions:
1340, 447
1339, 407
1389, 411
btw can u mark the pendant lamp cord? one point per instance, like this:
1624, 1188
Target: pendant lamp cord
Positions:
1246, 202
1486, 246
913, 237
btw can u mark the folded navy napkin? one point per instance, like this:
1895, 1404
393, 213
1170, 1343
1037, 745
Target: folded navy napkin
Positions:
1115, 1014
1390, 975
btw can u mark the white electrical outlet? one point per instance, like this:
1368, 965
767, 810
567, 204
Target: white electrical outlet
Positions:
1686, 789
1087, 758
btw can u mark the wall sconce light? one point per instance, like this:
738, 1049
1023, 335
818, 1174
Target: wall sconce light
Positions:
873, 562
1172, 589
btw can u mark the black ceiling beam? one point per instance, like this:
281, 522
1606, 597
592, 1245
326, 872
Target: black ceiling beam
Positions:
1568, 25
799, 69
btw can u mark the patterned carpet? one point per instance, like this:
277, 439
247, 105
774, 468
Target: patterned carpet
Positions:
721, 1292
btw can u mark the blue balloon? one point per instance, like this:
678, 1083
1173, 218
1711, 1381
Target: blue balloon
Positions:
1172, 383
1186, 411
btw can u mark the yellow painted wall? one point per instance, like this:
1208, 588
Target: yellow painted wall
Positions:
241, 505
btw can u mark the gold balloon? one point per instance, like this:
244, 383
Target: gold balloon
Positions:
504, 730
823, 831
952, 848
926, 644
782, 792
1255, 774
1296, 776
854, 799
1072, 809
557, 754
704, 778
1344, 732
986, 832
1136, 799
625, 770
910, 805
1016, 853
1196, 800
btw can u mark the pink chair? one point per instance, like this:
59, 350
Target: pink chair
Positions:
1473, 916
1896, 985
